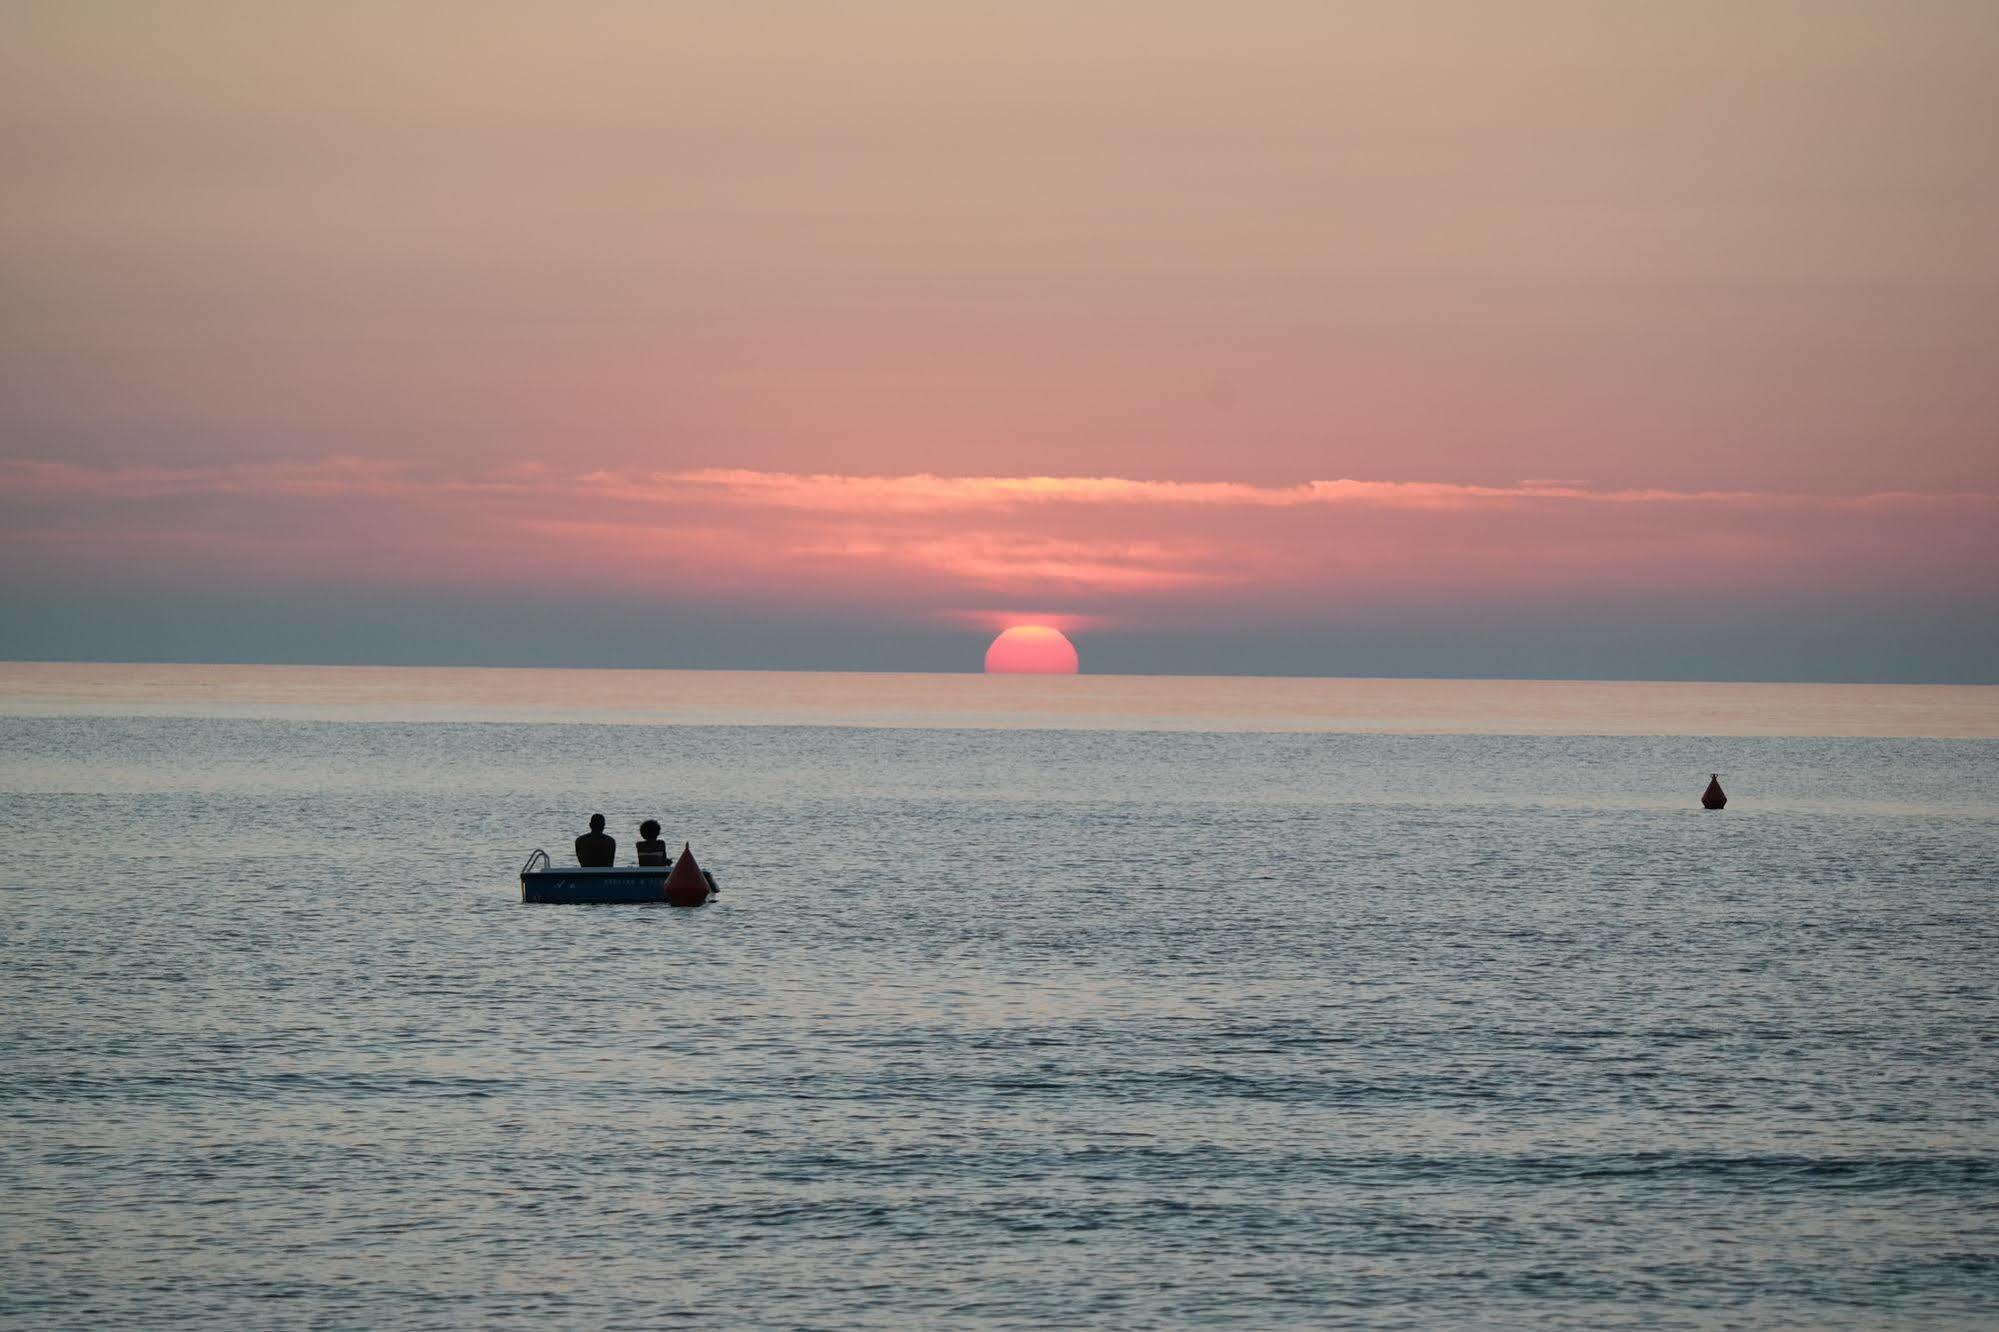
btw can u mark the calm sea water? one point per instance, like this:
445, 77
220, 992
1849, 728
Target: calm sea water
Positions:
1025, 1004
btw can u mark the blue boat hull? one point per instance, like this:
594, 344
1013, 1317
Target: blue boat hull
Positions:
624, 883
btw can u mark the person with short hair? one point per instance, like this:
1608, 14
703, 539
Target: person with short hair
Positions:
596, 849
651, 850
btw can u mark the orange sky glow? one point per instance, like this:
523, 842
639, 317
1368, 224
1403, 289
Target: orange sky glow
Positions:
956, 542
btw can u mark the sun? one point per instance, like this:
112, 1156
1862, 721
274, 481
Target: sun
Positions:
1031, 649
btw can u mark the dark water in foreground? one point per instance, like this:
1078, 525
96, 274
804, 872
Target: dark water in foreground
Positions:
1009, 1027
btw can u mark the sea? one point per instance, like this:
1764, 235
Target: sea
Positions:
1026, 1002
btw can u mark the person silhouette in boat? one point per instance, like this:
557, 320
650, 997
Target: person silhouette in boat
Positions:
596, 849
651, 850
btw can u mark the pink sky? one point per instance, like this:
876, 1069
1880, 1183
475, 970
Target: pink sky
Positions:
1130, 314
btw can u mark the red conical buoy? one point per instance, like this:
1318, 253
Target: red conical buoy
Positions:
1714, 797
687, 885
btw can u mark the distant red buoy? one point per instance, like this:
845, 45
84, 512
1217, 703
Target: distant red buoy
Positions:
1714, 797
687, 886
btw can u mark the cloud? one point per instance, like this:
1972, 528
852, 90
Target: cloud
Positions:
927, 493
339, 475
1001, 561
822, 492
1087, 545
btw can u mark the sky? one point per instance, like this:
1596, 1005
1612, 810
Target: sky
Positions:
1425, 337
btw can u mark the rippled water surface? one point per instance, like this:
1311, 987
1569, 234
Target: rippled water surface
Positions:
1006, 1027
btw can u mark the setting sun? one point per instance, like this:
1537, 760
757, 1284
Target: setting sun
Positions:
1031, 649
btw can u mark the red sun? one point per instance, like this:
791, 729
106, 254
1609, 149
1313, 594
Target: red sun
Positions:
1031, 649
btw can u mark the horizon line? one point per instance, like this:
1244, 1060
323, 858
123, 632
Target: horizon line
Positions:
980, 673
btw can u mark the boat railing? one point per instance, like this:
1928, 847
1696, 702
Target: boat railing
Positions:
538, 860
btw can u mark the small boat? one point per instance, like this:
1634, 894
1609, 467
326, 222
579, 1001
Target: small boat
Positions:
1714, 797
684, 883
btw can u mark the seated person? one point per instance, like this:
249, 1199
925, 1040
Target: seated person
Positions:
651, 850
596, 849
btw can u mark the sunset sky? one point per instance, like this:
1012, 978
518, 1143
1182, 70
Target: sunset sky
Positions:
1424, 337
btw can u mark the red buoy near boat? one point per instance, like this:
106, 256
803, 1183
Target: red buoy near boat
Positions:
687, 886
1714, 797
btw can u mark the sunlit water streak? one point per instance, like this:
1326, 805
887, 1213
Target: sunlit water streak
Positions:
1088, 702
1013, 1027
